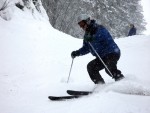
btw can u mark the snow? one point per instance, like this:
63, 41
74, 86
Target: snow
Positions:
35, 62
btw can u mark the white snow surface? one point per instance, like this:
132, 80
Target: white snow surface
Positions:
35, 62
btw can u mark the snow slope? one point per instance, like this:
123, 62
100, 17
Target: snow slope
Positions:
35, 62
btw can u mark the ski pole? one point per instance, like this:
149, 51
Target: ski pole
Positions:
70, 70
101, 60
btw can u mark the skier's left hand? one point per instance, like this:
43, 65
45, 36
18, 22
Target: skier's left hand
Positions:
74, 54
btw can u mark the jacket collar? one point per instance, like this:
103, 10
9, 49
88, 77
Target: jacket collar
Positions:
92, 27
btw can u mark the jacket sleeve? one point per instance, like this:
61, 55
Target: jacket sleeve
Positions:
83, 50
129, 34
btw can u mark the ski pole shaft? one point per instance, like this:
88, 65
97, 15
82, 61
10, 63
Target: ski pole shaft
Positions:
101, 59
70, 70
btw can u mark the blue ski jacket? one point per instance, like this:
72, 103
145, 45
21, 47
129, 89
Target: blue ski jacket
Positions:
132, 31
101, 40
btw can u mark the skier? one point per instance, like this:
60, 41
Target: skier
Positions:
99, 37
132, 30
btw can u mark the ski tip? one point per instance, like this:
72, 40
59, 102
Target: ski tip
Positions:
51, 98
72, 92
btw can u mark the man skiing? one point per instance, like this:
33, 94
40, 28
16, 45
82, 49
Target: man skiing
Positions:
132, 30
98, 41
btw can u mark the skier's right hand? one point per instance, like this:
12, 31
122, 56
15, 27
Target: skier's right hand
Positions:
74, 54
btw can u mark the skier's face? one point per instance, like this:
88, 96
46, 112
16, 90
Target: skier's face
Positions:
83, 25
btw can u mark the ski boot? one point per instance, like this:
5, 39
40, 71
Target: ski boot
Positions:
118, 77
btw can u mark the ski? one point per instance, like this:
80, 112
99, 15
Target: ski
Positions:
73, 94
58, 98
78, 93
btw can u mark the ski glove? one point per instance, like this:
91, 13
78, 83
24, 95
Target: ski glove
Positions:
74, 54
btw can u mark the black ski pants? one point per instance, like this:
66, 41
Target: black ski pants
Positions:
96, 65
